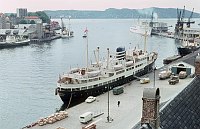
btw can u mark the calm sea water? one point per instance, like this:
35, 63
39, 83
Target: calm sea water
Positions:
28, 74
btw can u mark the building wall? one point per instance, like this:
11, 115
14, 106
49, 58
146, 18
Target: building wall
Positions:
8, 25
21, 12
2, 22
39, 29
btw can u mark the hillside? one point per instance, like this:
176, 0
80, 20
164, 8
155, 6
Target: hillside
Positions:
113, 13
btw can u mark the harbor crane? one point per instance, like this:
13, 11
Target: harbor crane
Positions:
180, 21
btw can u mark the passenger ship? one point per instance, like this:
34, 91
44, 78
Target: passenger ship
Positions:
101, 76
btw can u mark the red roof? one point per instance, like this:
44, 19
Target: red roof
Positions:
32, 17
1, 14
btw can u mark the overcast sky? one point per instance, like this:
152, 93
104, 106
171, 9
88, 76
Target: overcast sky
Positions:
7, 6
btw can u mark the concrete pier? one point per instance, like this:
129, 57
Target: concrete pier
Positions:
129, 111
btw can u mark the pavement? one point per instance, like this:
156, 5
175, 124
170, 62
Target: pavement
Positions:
129, 111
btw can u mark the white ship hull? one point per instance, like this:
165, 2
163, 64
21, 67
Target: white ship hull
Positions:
141, 30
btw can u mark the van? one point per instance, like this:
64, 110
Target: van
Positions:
86, 117
118, 90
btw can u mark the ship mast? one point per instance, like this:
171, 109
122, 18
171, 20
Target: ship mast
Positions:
86, 36
145, 38
97, 58
108, 57
69, 26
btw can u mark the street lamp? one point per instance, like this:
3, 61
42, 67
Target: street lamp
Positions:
108, 117
154, 80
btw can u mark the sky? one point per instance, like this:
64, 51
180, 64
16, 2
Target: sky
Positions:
9, 6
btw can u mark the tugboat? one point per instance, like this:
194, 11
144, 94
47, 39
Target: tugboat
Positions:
102, 76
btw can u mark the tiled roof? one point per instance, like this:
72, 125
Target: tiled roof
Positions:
32, 17
183, 112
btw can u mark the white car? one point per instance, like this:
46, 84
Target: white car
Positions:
144, 80
90, 99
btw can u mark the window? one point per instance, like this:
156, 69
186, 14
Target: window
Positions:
83, 88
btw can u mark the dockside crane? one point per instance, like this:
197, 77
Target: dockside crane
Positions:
189, 22
180, 21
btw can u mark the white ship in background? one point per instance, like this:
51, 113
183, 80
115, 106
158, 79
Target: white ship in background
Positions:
141, 27
151, 27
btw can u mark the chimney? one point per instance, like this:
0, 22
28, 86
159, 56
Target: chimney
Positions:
150, 112
197, 65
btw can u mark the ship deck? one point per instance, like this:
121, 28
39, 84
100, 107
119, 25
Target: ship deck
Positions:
128, 113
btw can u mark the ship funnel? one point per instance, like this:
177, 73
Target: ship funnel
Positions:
120, 53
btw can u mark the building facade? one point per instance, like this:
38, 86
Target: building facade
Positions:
2, 21
22, 12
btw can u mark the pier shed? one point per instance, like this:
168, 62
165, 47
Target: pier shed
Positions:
182, 66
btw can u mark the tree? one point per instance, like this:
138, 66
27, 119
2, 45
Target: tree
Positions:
41, 14
23, 22
13, 15
32, 22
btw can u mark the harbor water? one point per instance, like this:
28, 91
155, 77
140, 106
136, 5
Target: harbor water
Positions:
28, 74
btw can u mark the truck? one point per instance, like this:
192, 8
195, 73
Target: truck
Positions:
118, 90
182, 74
86, 117
164, 75
173, 80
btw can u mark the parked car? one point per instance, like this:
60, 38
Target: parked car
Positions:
118, 90
174, 80
90, 99
144, 80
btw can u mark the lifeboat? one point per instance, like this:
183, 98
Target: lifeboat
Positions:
129, 63
93, 73
118, 67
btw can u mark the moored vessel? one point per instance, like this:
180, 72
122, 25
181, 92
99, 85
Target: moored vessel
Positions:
189, 47
103, 75
141, 28
171, 59
14, 41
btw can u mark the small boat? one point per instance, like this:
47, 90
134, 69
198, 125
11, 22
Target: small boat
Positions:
66, 32
14, 41
171, 59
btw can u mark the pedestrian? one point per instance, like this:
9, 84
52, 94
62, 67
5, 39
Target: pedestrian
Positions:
118, 103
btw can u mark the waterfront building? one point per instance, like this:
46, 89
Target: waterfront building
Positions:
39, 30
22, 12
2, 21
